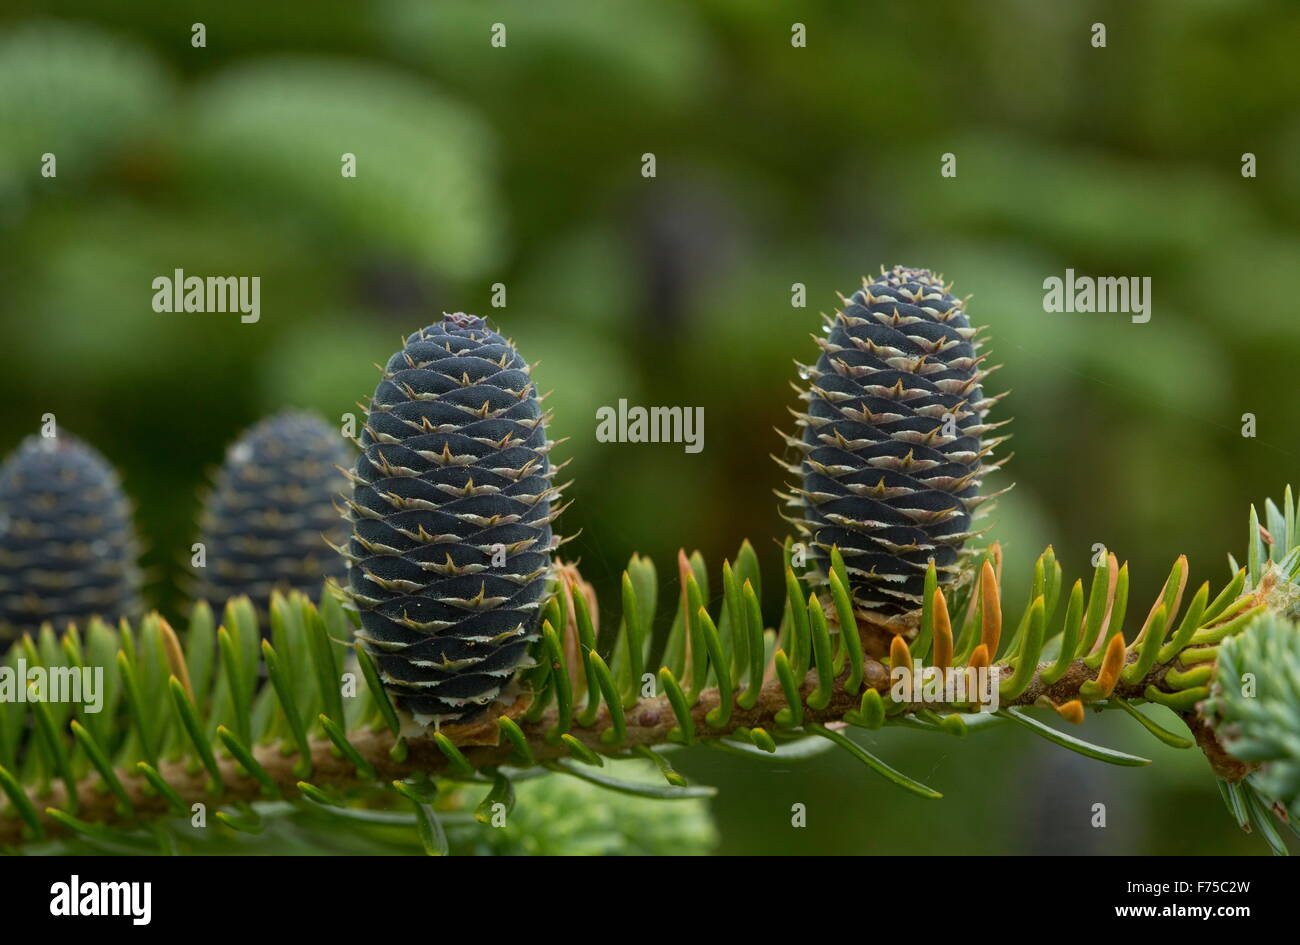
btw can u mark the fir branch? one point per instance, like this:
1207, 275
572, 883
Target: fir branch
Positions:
225, 741
648, 724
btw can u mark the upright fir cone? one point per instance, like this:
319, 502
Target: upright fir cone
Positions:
67, 545
451, 511
266, 524
893, 446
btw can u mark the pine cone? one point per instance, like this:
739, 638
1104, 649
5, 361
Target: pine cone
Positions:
893, 447
67, 545
451, 512
266, 524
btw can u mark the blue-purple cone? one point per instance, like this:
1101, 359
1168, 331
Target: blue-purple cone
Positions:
266, 524
451, 513
68, 548
892, 444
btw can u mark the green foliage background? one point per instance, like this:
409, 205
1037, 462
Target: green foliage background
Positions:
775, 165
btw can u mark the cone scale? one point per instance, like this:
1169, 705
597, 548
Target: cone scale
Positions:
892, 446
452, 506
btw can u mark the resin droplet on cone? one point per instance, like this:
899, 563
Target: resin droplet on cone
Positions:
893, 441
451, 513
266, 525
67, 545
